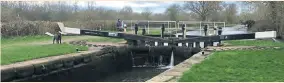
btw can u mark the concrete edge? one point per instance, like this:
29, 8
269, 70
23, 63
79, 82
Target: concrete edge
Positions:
177, 71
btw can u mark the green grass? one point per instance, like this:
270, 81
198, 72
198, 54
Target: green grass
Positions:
105, 39
240, 65
21, 53
18, 49
25, 39
29, 39
255, 43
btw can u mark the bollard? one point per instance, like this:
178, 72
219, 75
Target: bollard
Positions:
163, 30
136, 28
183, 30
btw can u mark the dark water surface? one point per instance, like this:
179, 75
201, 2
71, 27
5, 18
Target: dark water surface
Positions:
140, 74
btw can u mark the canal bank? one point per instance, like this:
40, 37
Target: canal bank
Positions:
38, 68
99, 64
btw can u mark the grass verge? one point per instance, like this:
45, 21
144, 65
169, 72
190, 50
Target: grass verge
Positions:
21, 53
240, 65
254, 43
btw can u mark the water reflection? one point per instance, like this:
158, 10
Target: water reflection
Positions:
140, 74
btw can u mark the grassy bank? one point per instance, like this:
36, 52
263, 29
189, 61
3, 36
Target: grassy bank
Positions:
22, 53
254, 43
240, 66
24, 39
18, 49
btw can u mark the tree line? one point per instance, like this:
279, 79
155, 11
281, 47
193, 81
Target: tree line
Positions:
15, 11
61, 11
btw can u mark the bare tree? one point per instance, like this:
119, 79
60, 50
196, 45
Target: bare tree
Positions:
173, 11
202, 8
231, 11
126, 12
147, 13
90, 5
75, 7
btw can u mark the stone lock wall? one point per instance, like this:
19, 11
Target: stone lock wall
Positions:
98, 63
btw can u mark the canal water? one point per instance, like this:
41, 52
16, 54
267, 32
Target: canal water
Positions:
137, 74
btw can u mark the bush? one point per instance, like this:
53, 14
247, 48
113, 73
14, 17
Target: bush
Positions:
24, 28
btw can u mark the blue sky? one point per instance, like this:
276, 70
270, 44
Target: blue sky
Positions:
139, 6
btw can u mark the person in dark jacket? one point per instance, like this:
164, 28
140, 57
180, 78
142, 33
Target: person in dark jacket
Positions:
57, 38
136, 28
163, 30
219, 30
119, 25
183, 30
205, 30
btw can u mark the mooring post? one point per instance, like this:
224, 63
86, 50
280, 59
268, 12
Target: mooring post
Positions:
183, 30
163, 30
136, 28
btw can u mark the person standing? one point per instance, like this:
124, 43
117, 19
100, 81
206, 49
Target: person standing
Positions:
136, 28
144, 30
118, 24
183, 30
215, 30
205, 30
219, 30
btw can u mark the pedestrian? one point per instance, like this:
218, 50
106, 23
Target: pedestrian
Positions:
219, 30
183, 30
118, 24
215, 30
136, 28
205, 30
